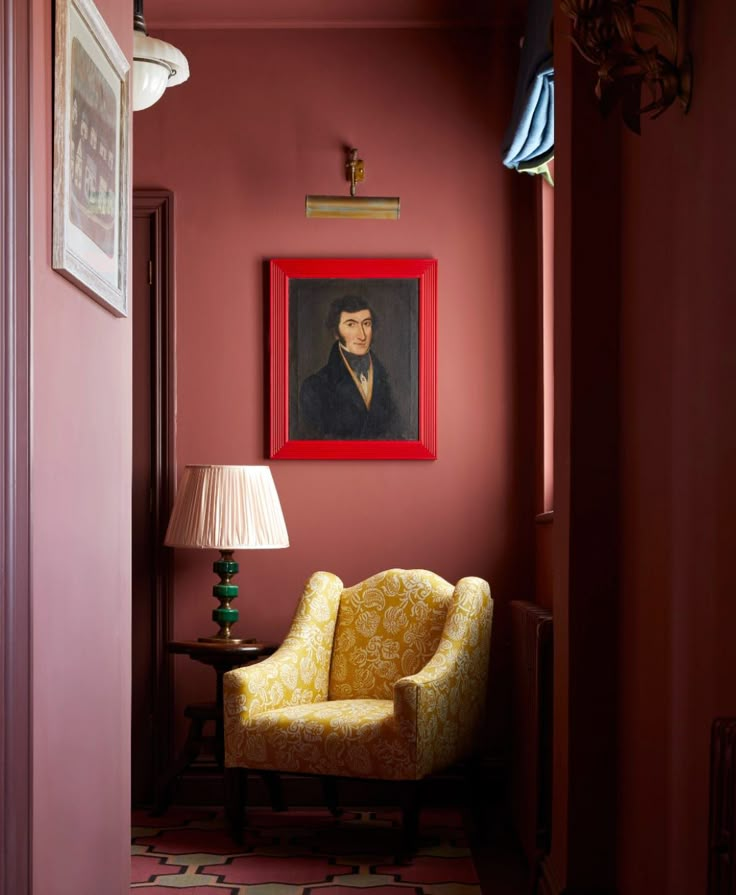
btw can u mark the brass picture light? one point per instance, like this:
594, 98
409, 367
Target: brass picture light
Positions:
352, 206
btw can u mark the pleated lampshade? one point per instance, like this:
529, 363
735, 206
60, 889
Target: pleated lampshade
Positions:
227, 508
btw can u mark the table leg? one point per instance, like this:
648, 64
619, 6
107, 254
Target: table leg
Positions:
190, 751
219, 727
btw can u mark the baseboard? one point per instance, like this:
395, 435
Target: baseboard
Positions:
298, 790
444, 789
206, 789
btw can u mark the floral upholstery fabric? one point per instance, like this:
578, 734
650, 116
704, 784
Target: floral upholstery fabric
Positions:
384, 680
387, 627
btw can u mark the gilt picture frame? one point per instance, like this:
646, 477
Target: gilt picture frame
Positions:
91, 155
353, 363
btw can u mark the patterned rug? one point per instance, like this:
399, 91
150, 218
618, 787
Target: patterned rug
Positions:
304, 851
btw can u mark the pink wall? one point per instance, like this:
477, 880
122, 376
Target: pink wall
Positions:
80, 547
678, 612
260, 124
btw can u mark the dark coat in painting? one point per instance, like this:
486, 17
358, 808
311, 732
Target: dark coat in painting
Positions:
331, 406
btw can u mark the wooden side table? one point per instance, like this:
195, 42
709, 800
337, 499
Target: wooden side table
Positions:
222, 657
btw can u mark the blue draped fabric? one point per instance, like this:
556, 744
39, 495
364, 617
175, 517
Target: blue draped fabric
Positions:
530, 137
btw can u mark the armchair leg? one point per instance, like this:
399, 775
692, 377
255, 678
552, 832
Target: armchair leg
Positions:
329, 789
236, 784
474, 802
410, 809
272, 779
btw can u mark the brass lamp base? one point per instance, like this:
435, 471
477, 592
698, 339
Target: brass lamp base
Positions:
217, 639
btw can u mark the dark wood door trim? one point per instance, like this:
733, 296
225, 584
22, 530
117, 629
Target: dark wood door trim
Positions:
158, 206
15, 438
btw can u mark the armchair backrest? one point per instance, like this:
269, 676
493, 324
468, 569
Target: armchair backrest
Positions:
388, 627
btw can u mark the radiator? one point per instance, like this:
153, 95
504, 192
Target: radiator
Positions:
531, 728
722, 836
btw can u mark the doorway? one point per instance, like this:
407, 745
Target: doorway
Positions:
152, 486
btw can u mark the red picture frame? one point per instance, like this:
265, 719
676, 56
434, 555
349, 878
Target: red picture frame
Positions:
402, 296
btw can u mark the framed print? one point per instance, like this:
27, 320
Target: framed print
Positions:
353, 358
91, 119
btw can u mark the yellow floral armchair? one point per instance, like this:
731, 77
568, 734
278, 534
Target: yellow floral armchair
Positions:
383, 680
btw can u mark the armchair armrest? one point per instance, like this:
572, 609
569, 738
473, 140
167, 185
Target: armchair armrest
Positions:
441, 706
299, 669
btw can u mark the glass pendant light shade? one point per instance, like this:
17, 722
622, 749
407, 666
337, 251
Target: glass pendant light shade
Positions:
156, 66
149, 76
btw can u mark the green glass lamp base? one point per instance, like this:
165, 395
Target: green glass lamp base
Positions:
225, 591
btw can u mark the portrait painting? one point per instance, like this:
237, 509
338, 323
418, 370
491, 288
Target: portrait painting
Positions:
91, 115
353, 358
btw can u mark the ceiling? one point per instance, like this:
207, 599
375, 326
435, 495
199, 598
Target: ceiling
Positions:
328, 13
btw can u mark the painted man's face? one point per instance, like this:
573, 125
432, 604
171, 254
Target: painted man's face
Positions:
356, 331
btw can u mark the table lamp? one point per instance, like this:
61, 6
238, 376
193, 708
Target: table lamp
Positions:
226, 508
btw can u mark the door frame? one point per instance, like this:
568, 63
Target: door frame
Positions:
15, 438
157, 205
